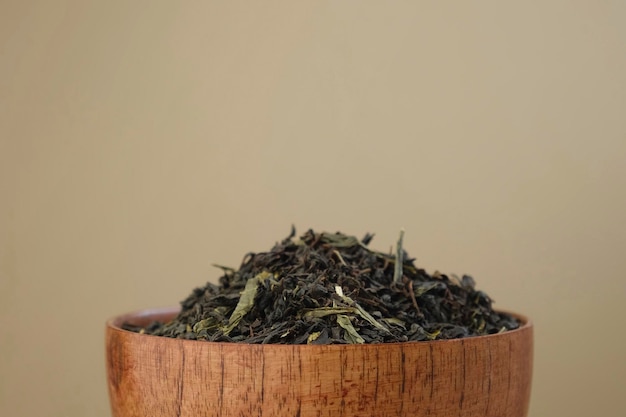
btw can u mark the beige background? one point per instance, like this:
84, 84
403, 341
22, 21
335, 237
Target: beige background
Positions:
141, 140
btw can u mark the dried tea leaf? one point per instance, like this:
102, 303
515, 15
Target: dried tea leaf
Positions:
206, 324
350, 334
313, 337
246, 301
360, 310
327, 311
397, 270
226, 269
394, 321
422, 288
340, 241
433, 335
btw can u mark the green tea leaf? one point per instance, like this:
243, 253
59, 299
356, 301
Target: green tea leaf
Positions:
433, 335
313, 337
206, 324
246, 301
395, 321
350, 335
327, 311
360, 310
422, 288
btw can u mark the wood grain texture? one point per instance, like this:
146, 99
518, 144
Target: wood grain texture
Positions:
150, 376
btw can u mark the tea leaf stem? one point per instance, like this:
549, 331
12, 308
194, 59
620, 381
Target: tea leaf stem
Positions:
397, 273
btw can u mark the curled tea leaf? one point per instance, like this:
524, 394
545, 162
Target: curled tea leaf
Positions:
422, 288
339, 240
360, 310
246, 301
313, 337
206, 324
350, 334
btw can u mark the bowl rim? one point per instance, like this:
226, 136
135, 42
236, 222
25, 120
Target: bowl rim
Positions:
114, 324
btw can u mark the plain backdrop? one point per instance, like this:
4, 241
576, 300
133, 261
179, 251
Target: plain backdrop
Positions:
142, 140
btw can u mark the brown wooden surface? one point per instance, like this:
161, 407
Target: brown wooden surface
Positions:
152, 376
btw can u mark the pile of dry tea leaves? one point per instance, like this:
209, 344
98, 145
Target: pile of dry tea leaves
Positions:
329, 288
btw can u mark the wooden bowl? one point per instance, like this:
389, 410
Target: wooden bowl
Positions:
151, 376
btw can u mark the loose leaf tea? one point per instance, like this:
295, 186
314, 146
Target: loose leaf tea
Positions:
330, 288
